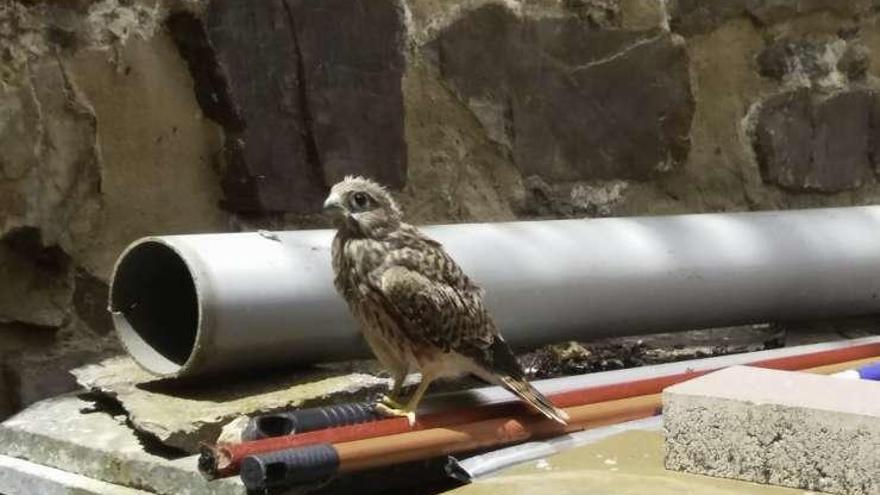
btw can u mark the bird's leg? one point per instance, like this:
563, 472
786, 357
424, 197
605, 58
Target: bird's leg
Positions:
408, 411
413, 403
392, 398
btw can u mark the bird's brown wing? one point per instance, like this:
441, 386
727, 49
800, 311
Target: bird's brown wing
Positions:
434, 313
438, 305
437, 314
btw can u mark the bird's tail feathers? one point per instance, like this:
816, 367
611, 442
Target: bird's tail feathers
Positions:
525, 391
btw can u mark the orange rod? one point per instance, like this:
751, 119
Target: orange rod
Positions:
404, 447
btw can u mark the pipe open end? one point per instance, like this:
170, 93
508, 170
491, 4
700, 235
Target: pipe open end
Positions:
155, 307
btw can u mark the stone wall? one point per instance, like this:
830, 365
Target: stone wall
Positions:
123, 118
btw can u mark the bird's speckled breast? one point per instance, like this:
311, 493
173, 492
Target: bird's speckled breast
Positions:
353, 262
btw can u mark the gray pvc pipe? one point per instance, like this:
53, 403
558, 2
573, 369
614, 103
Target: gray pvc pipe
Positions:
190, 304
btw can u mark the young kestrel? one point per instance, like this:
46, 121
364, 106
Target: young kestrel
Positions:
416, 308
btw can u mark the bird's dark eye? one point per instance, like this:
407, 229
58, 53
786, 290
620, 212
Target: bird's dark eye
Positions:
360, 200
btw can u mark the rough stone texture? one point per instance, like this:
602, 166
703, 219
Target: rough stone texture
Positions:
157, 149
35, 362
571, 102
307, 92
183, 415
49, 170
696, 16
820, 135
593, 198
855, 62
352, 64
20, 477
63, 434
455, 171
34, 30
36, 377
806, 142
810, 60
267, 166
15, 338
778, 427
37, 289
90, 298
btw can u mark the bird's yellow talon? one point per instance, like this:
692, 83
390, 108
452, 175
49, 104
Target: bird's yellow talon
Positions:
386, 410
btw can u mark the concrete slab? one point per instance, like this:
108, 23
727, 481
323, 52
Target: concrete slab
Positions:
778, 427
56, 433
182, 414
19, 477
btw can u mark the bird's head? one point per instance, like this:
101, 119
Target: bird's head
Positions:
363, 207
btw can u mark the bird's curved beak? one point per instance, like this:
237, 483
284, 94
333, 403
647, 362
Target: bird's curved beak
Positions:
333, 204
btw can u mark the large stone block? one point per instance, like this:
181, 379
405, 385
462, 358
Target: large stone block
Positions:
778, 427
571, 102
806, 141
267, 164
352, 63
306, 91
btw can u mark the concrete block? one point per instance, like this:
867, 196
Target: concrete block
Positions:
60, 433
778, 427
184, 416
20, 477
